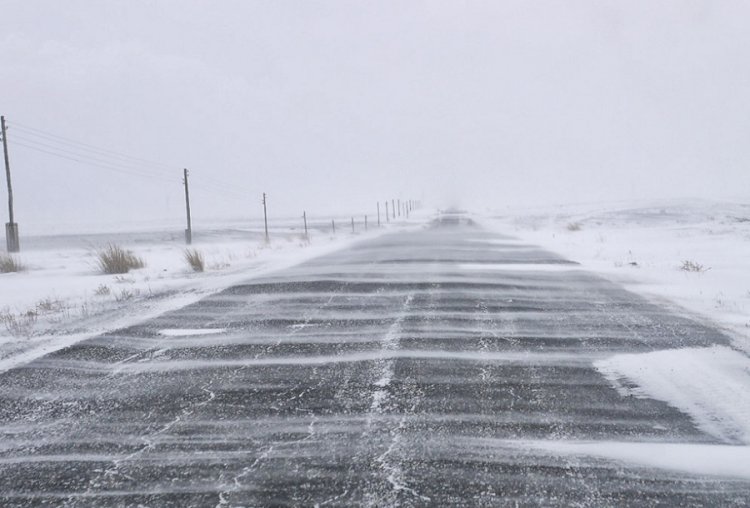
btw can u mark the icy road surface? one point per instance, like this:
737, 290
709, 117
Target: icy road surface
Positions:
444, 366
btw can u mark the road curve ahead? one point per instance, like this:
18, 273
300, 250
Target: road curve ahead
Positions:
446, 365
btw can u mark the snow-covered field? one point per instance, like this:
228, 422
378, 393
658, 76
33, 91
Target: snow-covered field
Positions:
644, 247
61, 297
694, 258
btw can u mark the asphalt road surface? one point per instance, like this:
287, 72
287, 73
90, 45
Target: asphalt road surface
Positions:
409, 370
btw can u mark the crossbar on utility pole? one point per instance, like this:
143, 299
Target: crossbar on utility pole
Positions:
189, 230
11, 228
265, 217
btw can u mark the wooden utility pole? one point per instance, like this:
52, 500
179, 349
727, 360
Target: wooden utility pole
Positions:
265, 217
333, 226
393, 207
11, 228
399, 208
304, 219
378, 213
365, 222
387, 216
189, 230
352, 224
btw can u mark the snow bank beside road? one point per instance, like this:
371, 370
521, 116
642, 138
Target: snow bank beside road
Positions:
699, 459
709, 384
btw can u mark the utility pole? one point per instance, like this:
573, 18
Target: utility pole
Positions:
352, 224
399, 208
333, 226
378, 213
393, 207
265, 216
365, 222
387, 216
304, 218
189, 230
11, 228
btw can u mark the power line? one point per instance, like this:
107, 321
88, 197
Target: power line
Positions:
86, 146
111, 160
98, 165
211, 188
79, 155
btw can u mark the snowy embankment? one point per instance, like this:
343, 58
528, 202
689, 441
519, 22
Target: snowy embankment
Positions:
61, 297
693, 258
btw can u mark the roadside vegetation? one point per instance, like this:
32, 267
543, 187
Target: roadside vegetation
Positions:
692, 266
9, 263
115, 260
194, 258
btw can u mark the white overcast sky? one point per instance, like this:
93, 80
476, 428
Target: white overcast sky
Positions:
333, 105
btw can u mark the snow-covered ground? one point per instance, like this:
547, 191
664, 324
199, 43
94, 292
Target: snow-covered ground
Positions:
644, 247
694, 258
61, 297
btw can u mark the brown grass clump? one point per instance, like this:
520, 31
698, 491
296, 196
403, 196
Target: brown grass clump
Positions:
9, 264
114, 260
195, 259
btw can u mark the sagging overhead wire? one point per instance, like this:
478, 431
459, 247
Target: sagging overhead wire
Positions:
87, 147
80, 157
102, 158
94, 164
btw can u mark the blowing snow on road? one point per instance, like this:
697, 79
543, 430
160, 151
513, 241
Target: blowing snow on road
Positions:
441, 365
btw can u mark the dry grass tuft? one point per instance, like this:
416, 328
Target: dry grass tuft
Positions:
9, 264
692, 266
114, 259
195, 259
21, 325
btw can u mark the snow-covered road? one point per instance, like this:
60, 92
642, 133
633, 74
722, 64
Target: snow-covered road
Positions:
446, 366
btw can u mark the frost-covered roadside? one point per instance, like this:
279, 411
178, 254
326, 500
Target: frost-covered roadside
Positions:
694, 258
61, 297
644, 246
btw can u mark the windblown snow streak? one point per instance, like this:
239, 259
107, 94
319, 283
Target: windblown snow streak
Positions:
410, 370
709, 384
